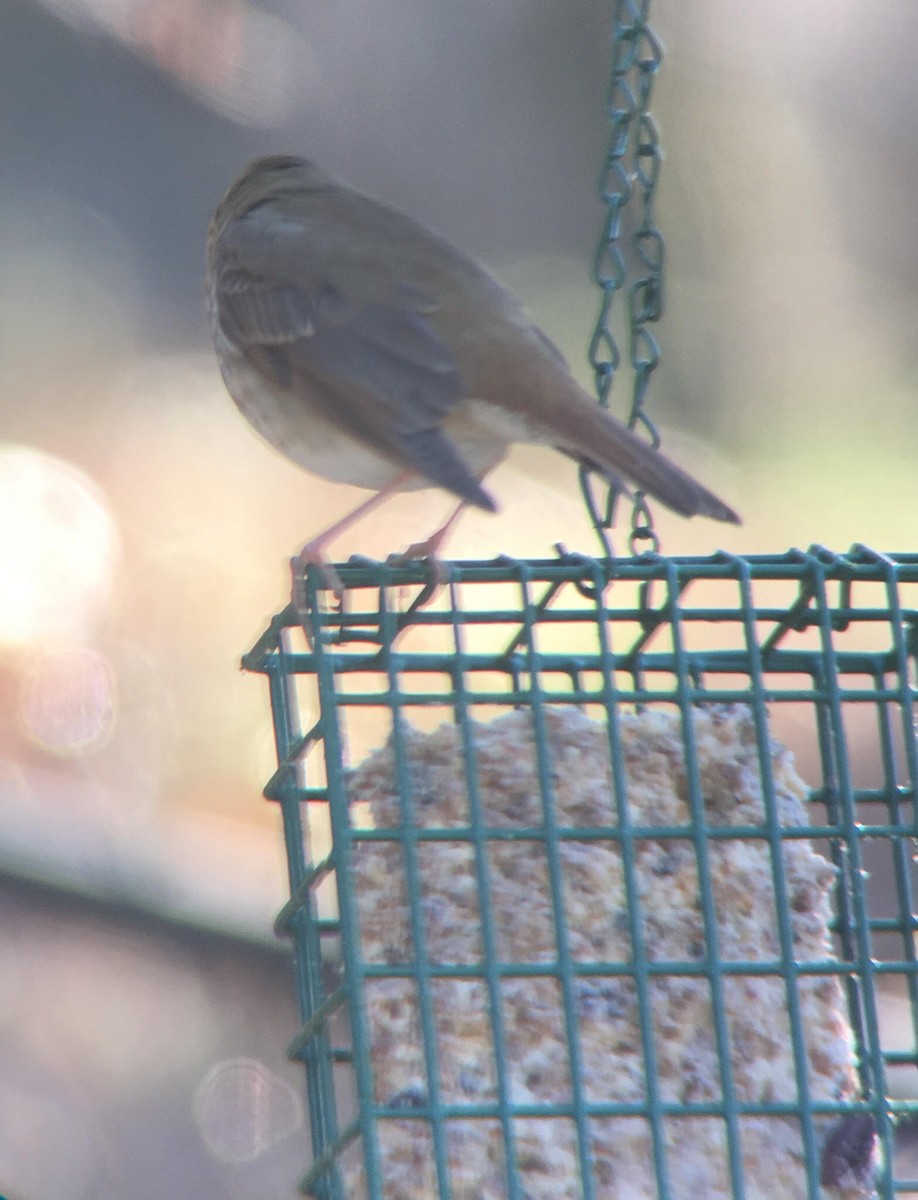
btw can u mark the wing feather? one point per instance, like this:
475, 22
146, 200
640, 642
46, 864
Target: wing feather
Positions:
391, 373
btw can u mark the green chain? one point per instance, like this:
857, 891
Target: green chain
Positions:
628, 184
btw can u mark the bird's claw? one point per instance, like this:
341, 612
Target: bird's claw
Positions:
437, 573
330, 578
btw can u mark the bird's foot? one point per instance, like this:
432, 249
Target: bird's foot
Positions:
429, 550
438, 571
437, 574
313, 554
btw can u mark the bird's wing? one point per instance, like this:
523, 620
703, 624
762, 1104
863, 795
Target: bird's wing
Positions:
387, 375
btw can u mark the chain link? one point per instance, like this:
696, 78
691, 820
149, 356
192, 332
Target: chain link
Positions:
628, 185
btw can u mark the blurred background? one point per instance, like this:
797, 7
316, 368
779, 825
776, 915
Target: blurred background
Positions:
145, 531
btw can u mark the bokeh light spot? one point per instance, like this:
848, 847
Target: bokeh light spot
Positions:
68, 702
58, 550
241, 1109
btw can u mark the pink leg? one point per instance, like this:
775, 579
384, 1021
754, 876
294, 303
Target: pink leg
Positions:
430, 547
315, 550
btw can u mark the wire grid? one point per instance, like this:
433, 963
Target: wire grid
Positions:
821, 646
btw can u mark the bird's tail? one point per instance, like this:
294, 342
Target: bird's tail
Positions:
602, 442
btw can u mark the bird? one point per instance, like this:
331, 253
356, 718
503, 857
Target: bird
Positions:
371, 351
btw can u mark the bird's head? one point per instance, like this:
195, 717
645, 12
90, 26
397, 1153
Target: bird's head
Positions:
268, 178
281, 171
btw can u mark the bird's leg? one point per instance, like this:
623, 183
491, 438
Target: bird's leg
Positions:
429, 550
314, 552
431, 546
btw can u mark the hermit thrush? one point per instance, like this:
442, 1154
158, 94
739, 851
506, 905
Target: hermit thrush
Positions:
373, 352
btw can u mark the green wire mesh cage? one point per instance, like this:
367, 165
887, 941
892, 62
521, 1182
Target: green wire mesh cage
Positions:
602, 875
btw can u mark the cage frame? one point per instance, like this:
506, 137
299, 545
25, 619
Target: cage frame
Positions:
662, 583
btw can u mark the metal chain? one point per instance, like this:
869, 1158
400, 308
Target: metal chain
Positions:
628, 184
